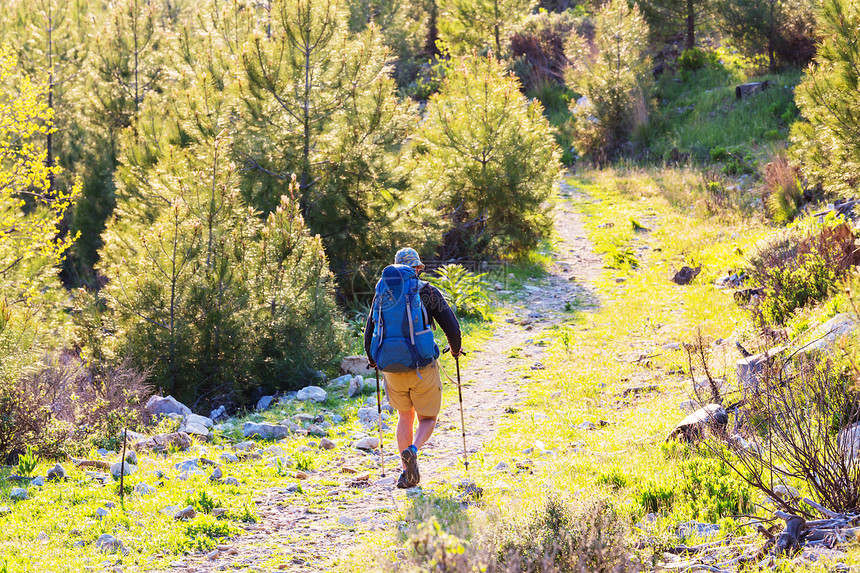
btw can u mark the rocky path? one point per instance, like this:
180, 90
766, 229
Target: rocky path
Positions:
307, 529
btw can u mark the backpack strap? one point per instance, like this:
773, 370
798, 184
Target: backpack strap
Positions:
410, 296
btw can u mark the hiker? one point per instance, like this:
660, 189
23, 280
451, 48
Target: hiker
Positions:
399, 338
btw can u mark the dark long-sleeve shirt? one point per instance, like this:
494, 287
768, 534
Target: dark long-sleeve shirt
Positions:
438, 311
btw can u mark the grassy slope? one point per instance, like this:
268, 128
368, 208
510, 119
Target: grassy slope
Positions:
591, 359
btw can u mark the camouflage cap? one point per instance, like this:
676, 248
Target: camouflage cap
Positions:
408, 257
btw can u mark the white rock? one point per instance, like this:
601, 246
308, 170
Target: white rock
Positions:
18, 494
144, 489
197, 425
828, 335
264, 403
56, 473
314, 393
356, 365
102, 513
156, 405
587, 425
124, 467
368, 414
786, 491
185, 514
356, 385
327, 444
231, 481
346, 521
219, 412
110, 544
265, 431
367, 443
37, 481
500, 467
848, 441
229, 458
275, 450
244, 446
341, 381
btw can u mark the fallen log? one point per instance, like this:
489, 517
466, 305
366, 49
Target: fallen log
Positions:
746, 90
789, 540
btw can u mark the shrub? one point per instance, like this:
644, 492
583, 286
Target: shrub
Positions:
537, 46
789, 427
587, 537
783, 187
64, 406
694, 59
559, 536
613, 73
656, 497
463, 290
27, 463
801, 266
488, 156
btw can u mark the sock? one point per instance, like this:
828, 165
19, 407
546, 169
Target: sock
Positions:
413, 448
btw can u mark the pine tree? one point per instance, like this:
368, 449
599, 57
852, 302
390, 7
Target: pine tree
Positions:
128, 60
827, 141
466, 25
671, 16
782, 29
488, 155
320, 102
210, 297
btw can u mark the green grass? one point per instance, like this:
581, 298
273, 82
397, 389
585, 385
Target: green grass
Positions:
700, 115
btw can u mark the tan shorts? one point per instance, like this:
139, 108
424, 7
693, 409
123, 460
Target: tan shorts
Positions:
406, 390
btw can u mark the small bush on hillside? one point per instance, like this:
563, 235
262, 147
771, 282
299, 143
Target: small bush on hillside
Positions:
558, 536
795, 425
64, 406
784, 189
693, 60
463, 290
27, 463
801, 265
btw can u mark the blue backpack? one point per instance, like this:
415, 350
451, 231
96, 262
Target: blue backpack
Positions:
402, 339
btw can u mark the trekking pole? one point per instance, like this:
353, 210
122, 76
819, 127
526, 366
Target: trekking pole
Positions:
379, 419
462, 417
460, 392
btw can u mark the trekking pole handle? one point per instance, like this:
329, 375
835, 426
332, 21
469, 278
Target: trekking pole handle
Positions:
448, 349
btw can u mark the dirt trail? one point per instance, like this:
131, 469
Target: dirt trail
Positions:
295, 534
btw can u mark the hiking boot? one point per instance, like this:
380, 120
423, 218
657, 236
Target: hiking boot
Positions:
410, 476
403, 483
